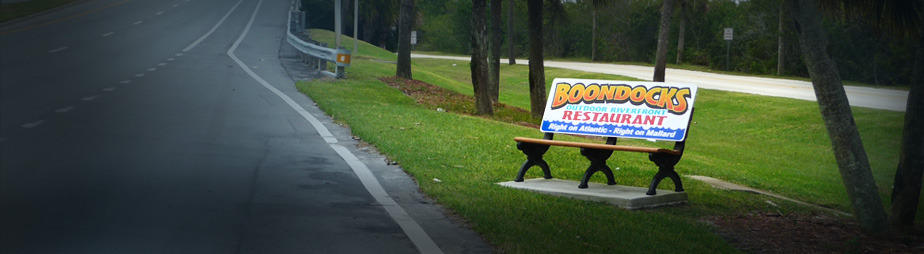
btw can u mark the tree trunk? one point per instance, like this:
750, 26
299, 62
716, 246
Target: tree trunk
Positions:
683, 30
405, 19
537, 95
664, 32
779, 44
906, 190
479, 65
838, 117
593, 36
511, 47
494, 79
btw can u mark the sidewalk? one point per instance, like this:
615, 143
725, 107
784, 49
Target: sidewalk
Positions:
877, 98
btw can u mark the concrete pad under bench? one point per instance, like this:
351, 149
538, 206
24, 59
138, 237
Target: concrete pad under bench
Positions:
627, 197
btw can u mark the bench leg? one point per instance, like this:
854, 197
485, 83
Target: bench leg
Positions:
665, 164
534, 153
597, 159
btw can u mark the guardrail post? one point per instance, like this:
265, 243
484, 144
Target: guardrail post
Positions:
343, 60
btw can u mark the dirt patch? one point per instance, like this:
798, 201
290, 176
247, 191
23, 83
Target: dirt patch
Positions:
799, 233
441, 99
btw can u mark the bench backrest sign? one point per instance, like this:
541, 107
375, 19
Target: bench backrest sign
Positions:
643, 110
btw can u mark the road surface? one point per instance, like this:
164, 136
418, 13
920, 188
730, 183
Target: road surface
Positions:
149, 126
867, 97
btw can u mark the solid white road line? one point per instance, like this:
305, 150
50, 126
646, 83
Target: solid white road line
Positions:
418, 236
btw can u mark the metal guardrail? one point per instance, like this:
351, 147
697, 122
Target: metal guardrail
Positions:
315, 54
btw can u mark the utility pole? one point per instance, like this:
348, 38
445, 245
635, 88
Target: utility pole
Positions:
337, 20
355, 27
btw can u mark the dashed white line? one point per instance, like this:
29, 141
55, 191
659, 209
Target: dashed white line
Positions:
138, 22
125, 81
89, 98
170, 59
64, 109
107, 34
139, 75
222, 20
178, 54
175, 5
33, 124
109, 89
158, 13
57, 50
161, 64
152, 69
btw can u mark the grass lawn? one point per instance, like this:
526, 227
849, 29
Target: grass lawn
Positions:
769, 143
18, 10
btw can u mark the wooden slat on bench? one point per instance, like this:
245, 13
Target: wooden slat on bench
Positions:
595, 146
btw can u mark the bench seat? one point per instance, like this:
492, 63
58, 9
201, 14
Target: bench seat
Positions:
597, 146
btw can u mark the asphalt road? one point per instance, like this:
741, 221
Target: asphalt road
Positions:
888, 99
143, 126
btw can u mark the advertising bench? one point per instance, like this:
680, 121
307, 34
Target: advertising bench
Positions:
614, 109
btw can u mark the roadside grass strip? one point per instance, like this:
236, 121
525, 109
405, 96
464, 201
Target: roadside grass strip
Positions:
768, 143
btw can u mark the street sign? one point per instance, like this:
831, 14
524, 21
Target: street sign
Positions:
413, 37
729, 33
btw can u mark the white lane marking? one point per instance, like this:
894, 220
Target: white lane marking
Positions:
57, 50
107, 34
152, 69
170, 59
161, 64
65, 109
139, 75
418, 236
222, 20
89, 98
175, 5
158, 13
109, 89
178, 54
138, 22
33, 124
125, 81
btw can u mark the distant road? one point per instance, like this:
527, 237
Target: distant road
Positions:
887, 99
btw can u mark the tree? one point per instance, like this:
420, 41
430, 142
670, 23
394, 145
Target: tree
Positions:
494, 54
537, 95
838, 117
511, 47
779, 44
597, 4
667, 9
696, 5
405, 20
479, 65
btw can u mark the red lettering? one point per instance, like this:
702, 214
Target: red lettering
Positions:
567, 115
625, 118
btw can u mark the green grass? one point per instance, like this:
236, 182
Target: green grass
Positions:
22, 9
770, 143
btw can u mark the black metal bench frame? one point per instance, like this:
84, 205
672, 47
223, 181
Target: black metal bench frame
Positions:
598, 154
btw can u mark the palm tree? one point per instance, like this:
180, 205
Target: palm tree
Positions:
479, 65
537, 95
667, 9
511, 50
494, 53
696, 6
404, 39
836, 113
